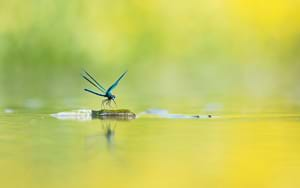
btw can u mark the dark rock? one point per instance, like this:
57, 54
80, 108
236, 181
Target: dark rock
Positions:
119, 114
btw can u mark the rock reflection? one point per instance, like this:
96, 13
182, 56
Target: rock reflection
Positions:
103, 139
109, 132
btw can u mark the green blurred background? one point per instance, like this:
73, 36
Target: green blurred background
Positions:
177, 52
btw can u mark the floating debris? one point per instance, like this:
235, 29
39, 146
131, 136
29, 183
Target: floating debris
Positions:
81, 115
123, 114
165, 114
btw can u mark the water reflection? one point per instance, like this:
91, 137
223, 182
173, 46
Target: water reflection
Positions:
107, 134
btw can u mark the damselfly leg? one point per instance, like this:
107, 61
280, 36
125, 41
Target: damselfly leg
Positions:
115, 103
103, 103
107, 103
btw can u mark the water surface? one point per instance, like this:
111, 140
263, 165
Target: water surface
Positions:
38, 150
